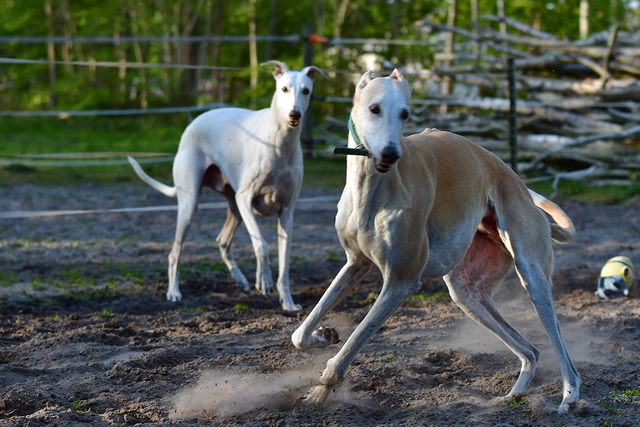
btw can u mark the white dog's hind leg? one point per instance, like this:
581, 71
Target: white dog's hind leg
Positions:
188, 171
306, 336
264, 282
285, 226
224, 240
187, 205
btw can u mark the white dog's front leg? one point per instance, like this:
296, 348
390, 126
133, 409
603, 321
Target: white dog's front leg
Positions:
285, 227
306, 336
264, 283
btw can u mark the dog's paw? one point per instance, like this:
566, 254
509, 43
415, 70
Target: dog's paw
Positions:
242, 281
291, 307
174, 296
324, 337
316, 396
568, 401
264, 284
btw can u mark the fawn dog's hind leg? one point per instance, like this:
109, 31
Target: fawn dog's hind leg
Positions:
471, 285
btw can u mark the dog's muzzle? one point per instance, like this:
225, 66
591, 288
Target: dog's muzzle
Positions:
294, 118
387, 159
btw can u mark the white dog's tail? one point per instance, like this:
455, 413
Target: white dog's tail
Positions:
564, 230
164, 189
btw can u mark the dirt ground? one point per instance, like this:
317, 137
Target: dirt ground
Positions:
87, 336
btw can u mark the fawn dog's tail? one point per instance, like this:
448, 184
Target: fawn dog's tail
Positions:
564, 230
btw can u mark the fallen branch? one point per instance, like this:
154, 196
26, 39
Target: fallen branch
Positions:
628, 133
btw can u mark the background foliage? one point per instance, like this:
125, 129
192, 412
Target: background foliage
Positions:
33, 87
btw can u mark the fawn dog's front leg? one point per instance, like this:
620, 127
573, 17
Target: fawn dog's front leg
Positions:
306, 337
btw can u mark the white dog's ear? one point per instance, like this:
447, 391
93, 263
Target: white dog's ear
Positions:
311, 71
365, 79
281, 68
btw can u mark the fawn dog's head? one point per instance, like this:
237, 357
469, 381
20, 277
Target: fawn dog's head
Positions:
381, 106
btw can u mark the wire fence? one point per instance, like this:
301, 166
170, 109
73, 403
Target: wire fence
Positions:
112, 159
292, 38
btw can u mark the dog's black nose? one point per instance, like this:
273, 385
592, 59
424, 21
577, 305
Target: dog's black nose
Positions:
389, 155
295, 115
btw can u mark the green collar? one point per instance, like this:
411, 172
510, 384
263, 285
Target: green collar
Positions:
360, 150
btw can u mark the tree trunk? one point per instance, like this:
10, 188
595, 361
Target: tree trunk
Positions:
273, 15
253, 49
142, 84
203, 47
217, 88
584, 19
51, 55
500, 6
448, 46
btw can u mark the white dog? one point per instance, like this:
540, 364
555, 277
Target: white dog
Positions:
447, 208
254, 159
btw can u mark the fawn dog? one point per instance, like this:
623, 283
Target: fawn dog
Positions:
437, 204
254, 159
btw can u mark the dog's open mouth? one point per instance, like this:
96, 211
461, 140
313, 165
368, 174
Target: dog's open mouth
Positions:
381, 167
293, 123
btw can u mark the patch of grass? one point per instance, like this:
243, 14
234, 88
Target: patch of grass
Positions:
105, 313
299, 261
194, 310
325, 172
582, 191
240, 307
42, 135
335, 257
427, 297
80, 406
216, 266
158, 133
7, 278
626, 394
518, 403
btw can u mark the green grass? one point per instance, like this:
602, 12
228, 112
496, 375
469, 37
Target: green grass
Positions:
426, 297
44, 135
240, 307
161, 133
80, 406
583, 192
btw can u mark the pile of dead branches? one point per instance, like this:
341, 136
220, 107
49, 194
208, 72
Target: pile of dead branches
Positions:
578, 101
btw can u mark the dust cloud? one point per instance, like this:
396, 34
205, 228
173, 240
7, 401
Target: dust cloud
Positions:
223, 393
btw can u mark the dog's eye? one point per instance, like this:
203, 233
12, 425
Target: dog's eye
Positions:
305, 91
285, 89
375, 109
404, 115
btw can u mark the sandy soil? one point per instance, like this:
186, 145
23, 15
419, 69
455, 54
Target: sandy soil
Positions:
87, 336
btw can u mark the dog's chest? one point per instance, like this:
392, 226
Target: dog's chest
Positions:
274, 191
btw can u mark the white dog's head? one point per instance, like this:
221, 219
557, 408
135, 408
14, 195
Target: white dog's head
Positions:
381, 107
293, 90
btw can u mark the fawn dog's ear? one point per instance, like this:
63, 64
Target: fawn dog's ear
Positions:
398, 76
281, 68
365, 79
